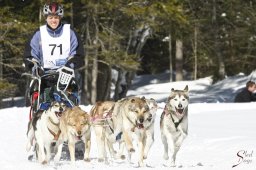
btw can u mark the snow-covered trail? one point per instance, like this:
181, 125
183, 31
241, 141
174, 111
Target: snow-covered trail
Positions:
218, 133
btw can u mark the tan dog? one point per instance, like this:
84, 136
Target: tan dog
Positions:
101, 119
74, 126
132, 117
174, 123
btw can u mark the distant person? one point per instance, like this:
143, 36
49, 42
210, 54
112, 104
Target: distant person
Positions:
247, 94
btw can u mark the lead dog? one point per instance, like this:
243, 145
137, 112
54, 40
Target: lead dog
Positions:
75, 126
132, 117
44, 129
174, 123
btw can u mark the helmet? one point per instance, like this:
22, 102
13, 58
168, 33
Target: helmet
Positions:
53, 9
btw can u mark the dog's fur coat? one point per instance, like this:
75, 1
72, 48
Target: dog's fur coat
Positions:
74, 126
44, 129
132, 117
174, 123
101, 119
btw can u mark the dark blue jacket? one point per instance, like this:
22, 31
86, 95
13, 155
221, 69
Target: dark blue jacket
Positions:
244, 96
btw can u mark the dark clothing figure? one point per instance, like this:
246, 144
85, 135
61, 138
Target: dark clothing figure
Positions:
245, 96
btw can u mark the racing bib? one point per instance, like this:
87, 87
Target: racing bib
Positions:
55, 49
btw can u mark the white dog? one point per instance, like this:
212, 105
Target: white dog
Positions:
45, 126
174, 123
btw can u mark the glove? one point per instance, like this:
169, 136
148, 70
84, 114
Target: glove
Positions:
70, 65
29, 62
70, 62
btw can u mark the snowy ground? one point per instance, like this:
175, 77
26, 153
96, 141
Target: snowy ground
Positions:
221, 133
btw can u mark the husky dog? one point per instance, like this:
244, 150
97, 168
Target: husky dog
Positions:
132, 117
74, 126
174, 123
101, 118
151, 121
44, 129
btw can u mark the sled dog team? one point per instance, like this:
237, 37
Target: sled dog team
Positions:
126, 122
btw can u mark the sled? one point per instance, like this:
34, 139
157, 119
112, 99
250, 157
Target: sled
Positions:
52, 85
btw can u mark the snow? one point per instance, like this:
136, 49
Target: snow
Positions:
221, 133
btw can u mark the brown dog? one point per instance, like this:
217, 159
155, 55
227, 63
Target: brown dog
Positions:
75, 126
101, 118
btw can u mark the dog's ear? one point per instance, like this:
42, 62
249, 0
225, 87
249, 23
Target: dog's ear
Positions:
93, 110
172, 90
143, 98
86, 117
186, 88
132, 100
99, 103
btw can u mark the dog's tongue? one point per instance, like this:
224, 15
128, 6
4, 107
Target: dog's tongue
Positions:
58, 114
78, 137
180, 111
140, 126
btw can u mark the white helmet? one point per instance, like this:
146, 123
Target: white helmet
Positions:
53, 9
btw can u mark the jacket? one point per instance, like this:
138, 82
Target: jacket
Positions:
244, 96
33, 47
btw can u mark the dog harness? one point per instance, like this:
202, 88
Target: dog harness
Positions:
55, 136
176, 124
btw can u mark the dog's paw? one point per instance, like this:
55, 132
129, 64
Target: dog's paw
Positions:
100, 160
172, 164
28, 146
87, 159
131, 150
166, 157
44, 162
169, 163
123, 157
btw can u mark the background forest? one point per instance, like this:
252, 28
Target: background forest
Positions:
188, 38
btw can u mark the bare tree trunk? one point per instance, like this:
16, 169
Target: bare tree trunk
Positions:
179, 60
95, 64
86, 92
221, 64
71, 14
1, 63
118, 84
40, 12
103, 81
195, 51
170, 57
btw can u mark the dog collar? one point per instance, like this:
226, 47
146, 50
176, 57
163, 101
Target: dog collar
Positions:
52, 122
